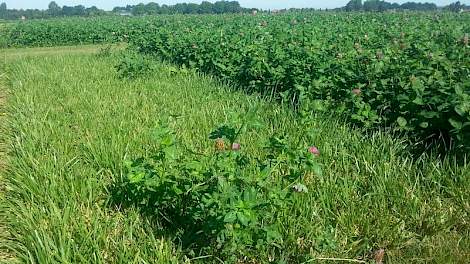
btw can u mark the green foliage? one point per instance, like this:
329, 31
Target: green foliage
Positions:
354, 5
407, 71
4, 33
69, 31
221, 203
152, 8
53, 10
133, 65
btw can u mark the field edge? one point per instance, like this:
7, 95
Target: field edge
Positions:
5, 255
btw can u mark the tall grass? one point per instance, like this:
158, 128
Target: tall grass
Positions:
72, 123
4, 255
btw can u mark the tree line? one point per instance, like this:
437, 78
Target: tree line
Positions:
380, 5
220, 7
54, 10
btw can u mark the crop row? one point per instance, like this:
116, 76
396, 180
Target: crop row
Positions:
409, 71
69, 31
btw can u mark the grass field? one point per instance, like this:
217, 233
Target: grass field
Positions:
3, 92
72, 123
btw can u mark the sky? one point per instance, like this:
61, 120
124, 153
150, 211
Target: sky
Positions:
264, 4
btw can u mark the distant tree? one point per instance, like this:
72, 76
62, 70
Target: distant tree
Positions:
354, 5
127, 8
67, 10
205, 7
73, 10
233, 7
54, 9
178, 8
152, 8
455, 7
94, 11
371, 5
3, 11
219, 7
80, 10
53, 6
418, 6
381, 5
378, 5
139, 10
192, 8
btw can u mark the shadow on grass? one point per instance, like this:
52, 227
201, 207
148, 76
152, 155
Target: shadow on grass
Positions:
440, 145
174, 221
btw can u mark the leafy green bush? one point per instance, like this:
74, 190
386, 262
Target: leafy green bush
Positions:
133, 65
217, 200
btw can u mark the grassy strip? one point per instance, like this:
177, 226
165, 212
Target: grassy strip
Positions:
73, 123
5, 256
20, 53
3, 99
55, 202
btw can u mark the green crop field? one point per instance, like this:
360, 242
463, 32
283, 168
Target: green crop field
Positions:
310, 137
68, 31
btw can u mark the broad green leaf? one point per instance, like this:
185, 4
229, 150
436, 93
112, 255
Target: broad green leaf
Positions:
456, 124
242, 218
459, 109
136, 177
401, 121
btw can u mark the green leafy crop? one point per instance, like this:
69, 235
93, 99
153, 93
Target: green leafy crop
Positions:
410, 71
69, 31
219, 201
